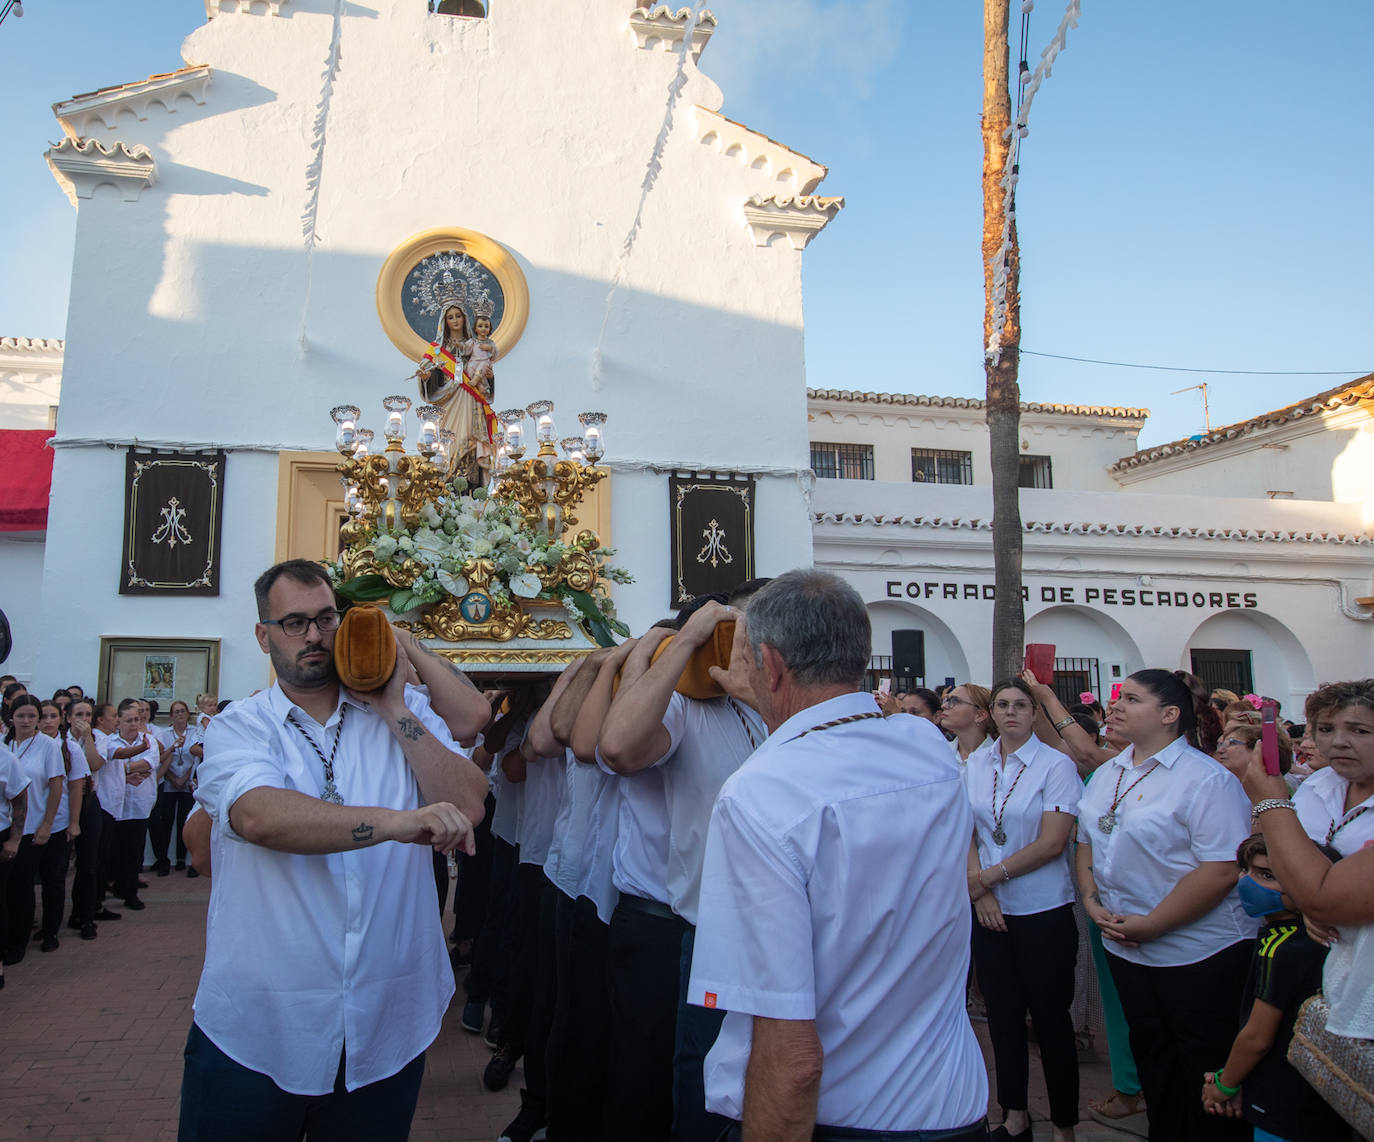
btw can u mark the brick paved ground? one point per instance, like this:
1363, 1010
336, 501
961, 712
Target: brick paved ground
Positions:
91, 1038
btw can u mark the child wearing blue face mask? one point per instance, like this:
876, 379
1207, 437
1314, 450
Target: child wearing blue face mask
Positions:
1257, 1082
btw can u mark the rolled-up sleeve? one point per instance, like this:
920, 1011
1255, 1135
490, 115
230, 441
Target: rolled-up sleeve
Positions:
239, 755
740, 963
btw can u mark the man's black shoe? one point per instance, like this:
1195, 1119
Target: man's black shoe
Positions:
528, 1125
107, 914
497, 1073
49, 944
88, 931
134, 904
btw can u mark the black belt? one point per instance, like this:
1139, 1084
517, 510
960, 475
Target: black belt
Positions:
648, 907
978, 1132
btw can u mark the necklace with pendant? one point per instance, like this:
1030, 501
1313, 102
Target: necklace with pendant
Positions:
1107, 822
331, 791
999, 834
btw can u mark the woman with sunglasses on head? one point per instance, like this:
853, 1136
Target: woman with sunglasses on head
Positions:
966, 712
1025, 942
66, 825
1158, 829
42, 851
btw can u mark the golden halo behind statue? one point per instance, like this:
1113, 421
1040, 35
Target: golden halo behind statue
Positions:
415, 274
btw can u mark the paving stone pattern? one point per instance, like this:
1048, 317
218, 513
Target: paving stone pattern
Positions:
91, 1037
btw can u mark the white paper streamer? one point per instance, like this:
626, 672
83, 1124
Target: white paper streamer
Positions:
315, 170
1016, 132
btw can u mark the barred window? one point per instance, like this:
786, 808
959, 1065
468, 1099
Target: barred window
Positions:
1034, 472
940, 466
842, 461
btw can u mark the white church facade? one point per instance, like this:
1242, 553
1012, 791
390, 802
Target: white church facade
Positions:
238, 219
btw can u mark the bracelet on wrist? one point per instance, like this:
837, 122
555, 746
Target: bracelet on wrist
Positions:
1064, 721
1228, 1091
1271, 803
1006, 876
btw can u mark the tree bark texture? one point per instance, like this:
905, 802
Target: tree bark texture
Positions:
1003, 408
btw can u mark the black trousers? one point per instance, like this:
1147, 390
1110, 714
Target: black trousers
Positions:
697, 1029
87, 847
474, 880
580, 1033
493, 950
127, 856
6, 873
1029, 968
49, 863
645, 953
169, 814
105, 864
1183, 1021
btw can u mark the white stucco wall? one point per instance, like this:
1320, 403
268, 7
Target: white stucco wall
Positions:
187, 305
21, 582
30, 381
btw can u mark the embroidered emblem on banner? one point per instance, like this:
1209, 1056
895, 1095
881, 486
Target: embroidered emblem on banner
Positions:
711, 532
173, 507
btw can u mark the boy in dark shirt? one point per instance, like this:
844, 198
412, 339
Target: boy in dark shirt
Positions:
1257, 1082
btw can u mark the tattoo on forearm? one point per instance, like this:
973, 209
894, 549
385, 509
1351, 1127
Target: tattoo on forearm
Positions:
410, 729
362, 834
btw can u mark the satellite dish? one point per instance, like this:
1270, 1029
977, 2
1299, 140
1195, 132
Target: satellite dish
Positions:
6, 639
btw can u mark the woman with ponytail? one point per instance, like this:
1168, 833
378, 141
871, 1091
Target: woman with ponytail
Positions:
1158, 829
43, 848
80, 715
66, 825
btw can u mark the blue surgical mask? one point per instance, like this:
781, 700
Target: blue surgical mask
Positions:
1258, 900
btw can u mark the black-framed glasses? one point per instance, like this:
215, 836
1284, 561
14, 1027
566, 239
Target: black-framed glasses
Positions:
297, 625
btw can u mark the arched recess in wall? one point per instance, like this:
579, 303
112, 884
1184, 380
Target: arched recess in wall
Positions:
1083, 633
1280, 666
945, 657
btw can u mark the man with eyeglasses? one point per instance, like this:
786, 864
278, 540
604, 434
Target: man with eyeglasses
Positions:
326, 973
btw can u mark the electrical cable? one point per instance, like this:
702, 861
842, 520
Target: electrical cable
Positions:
1182, 369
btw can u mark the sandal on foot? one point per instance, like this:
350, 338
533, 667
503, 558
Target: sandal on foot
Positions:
1119, 1105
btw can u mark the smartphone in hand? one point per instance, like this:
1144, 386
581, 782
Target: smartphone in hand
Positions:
1269, 736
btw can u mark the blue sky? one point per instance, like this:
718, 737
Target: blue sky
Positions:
1196, 186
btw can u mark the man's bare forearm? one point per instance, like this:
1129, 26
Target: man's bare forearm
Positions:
442, 774
19, 813
292, 822
782, 1082
451, 692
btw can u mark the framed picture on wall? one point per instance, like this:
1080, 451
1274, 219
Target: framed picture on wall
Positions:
158, 669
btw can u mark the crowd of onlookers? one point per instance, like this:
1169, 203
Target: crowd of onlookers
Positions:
86, 785
1142, 831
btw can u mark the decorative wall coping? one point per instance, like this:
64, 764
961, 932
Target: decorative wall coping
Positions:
44, 345
795, 172
80, 167
1341, 397
849, 396
79, 114
659, 28
1240, 534
798, 219
214, 8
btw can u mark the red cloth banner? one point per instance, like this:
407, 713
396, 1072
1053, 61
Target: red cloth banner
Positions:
25, 478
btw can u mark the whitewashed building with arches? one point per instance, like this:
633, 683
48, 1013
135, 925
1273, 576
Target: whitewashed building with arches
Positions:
1183, 555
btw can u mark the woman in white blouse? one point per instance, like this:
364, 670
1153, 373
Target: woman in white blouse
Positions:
43, 849
1025, 942
67, 822
1158, 829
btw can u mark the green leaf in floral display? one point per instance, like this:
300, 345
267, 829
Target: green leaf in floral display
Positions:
591, 618
403, 600
363, 588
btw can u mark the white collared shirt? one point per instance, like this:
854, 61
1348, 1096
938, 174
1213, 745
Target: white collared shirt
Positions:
543, 785
505, 818
1035, 780
835, 889
182, 760
1188, 810
80, 769
306, 953
136, 801
1320, 802
579, 861
640, 856
13, 781
109, 780
41, 759
710, 740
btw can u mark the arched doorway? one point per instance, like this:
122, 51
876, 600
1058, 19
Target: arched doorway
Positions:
1092, 651
1233, 646
944, 656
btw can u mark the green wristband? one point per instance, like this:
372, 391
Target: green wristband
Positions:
1228, 1091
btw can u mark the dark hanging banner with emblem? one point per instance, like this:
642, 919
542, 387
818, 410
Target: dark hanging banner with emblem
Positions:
173, 508
712, 533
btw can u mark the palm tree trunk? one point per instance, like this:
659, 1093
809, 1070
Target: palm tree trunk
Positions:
1003, 396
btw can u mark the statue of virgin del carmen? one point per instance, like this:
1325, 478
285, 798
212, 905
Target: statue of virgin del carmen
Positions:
456, 374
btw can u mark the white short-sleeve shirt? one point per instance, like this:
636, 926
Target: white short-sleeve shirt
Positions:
13, 781
1035, 780
1320, 802
80, 769
182, 760
109, 780
1187, 810
505, 818
640, 857
306, 953
579, 861
834, 889
543, 785
138, 800
710, 740
40, 757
